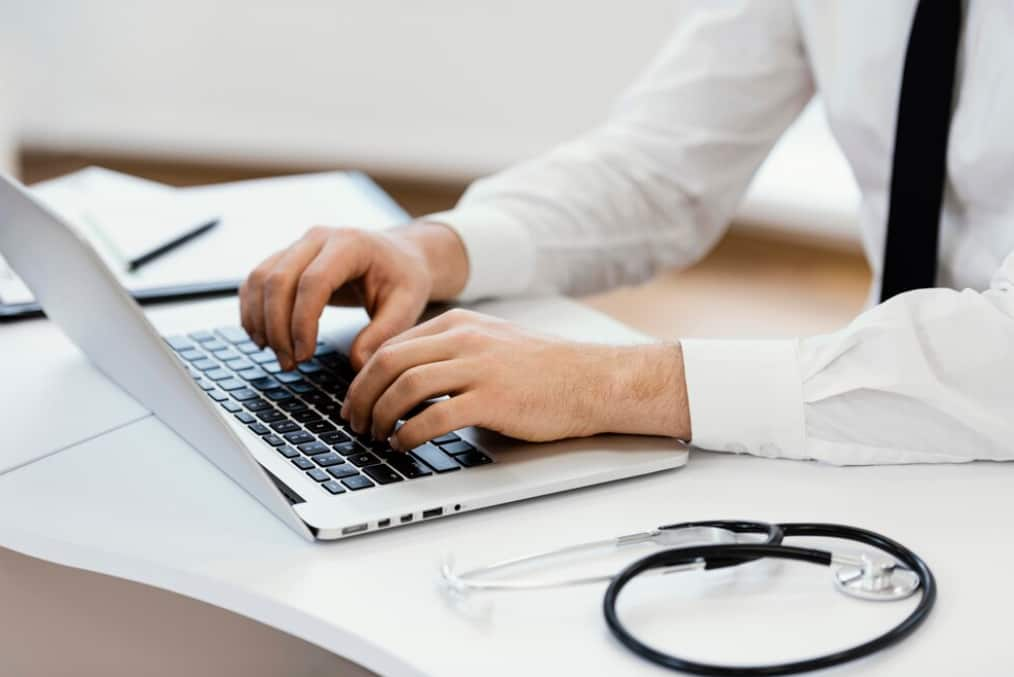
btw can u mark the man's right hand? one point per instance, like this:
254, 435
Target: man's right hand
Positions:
392, 274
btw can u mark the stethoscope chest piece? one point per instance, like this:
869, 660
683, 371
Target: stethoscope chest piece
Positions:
870, 579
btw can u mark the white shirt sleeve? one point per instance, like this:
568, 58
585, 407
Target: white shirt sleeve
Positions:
925, 377
657, 183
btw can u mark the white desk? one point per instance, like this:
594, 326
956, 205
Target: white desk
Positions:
139, 504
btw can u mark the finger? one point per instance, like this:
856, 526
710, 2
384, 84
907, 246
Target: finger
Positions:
384, 367
251, 299
340, 260
439, 324
394, 315
415, 386
280, 295
436, 420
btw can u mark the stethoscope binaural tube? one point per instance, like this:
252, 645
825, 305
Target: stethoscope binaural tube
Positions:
716, 556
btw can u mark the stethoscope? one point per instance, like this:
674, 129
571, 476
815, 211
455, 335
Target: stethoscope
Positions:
718, 544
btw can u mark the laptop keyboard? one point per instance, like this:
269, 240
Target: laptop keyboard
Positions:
298, 413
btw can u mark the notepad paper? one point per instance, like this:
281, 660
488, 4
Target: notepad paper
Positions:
256, 218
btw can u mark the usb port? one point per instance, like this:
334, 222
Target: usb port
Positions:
384, 523
354, 529
406, 518
433, 512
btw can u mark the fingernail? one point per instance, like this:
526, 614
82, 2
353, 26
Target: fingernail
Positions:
299, 349
395, 443
345, 411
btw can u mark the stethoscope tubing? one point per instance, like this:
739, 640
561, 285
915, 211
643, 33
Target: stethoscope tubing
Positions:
717, 556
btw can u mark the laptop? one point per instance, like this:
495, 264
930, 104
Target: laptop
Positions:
278, 434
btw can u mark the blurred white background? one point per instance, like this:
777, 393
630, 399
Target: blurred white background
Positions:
441, 89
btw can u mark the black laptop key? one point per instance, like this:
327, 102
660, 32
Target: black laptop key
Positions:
284, 426
287, 451
303, 463
231, 384
204, 364
255, 403
347, 448
325, 460
320, 427
292, 405
432, 456
333, 487
381, 474
446, 439
325, 380
362, 459
202, 336
458, 447
309, 367
273, 440
218, 395
288, 377
218, 374
213, 345
244, 394
318, 475
300, 437
278, 395
233, 334
258, 428
239, 364
342, 471
249, 348
407, 465
337, 437
251, 373
191, 354
306, 415
357, 482
179, 342
314, 448
473, 458
265, 383
231, 407
261, 356
302, 388
271, 415
245, 418
226, 354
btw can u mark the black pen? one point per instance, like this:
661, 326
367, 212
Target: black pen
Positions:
134, 264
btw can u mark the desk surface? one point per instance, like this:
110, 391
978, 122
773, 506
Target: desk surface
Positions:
139, 504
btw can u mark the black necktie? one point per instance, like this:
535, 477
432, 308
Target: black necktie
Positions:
920, 148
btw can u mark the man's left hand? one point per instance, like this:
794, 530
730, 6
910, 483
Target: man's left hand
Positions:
519, 383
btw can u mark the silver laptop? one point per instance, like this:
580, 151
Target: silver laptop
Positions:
279, 434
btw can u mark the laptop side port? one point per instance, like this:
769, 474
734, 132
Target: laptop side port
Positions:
354, 529
432, 512
386, 522
405, 519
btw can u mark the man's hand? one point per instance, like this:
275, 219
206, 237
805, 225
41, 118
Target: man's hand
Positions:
516, 382
392, 274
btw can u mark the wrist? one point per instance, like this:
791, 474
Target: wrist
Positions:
647, 392
444, 254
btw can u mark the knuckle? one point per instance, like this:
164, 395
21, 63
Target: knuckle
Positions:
458, 315
276, 281
411, 382
386, 357
440, 416
310, 281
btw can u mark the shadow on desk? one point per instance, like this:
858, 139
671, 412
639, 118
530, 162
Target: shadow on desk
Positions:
63, 621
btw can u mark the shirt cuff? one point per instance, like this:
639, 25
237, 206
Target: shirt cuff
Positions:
745, 397
501, 253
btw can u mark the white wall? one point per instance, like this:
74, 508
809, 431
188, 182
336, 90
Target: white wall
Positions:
444, 88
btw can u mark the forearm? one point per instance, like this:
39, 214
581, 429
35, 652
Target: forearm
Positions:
645, 393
